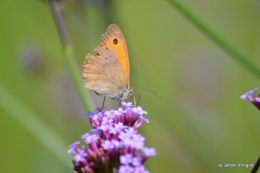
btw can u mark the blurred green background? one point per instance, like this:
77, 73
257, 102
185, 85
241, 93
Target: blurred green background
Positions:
198, 123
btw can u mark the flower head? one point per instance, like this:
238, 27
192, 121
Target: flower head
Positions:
255, 100
113, 142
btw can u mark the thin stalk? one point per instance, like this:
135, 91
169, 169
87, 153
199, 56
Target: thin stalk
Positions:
69, 54
47, 136
217, 38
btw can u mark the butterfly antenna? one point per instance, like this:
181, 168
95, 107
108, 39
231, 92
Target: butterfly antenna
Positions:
149, 91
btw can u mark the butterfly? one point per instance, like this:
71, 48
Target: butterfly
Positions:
108, 73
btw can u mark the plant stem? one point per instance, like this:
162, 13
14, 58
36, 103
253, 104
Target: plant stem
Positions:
70, 56
29, 120
217, 38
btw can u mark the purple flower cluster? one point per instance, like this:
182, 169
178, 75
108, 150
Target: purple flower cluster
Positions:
113, 143
255, 100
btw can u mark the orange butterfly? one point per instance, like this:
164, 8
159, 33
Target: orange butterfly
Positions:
108, 72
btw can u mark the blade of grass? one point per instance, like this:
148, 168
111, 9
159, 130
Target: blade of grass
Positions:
42, 132
216, 37
69, 54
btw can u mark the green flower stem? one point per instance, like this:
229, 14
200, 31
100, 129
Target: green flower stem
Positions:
70, 56
216, 37
77, 78
40, 131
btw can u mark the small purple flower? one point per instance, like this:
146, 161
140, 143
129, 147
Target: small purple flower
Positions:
127, 105
255, 100
127, 133
110, 113
85, 136
98, 109
130, 131
90, 114
126, 159
149, 151
117, 144
73, 147
91, 138
137, 161
113, 143
80, 157
138, 138
140, 169
104, 127
117, 128
138, 124
139, 110
125, 169
107, 145
120, 111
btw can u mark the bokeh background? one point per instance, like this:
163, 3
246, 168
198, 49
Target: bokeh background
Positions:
198, 123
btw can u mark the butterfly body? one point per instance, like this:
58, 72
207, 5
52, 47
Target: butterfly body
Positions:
107, 73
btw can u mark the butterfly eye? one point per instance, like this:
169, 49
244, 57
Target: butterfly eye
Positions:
130, 93
115, 41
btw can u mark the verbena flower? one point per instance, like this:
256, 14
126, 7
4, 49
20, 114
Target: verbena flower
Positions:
113, 143
255, 100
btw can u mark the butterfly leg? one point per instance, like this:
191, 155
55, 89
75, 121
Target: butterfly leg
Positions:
134, 99
103, 105
139, 98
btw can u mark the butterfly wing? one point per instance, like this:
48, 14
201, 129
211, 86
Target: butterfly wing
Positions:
107, 73
114, 39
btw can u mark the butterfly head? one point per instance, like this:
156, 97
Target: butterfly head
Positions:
125, 93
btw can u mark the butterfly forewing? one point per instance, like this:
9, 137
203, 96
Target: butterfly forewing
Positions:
114, 39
